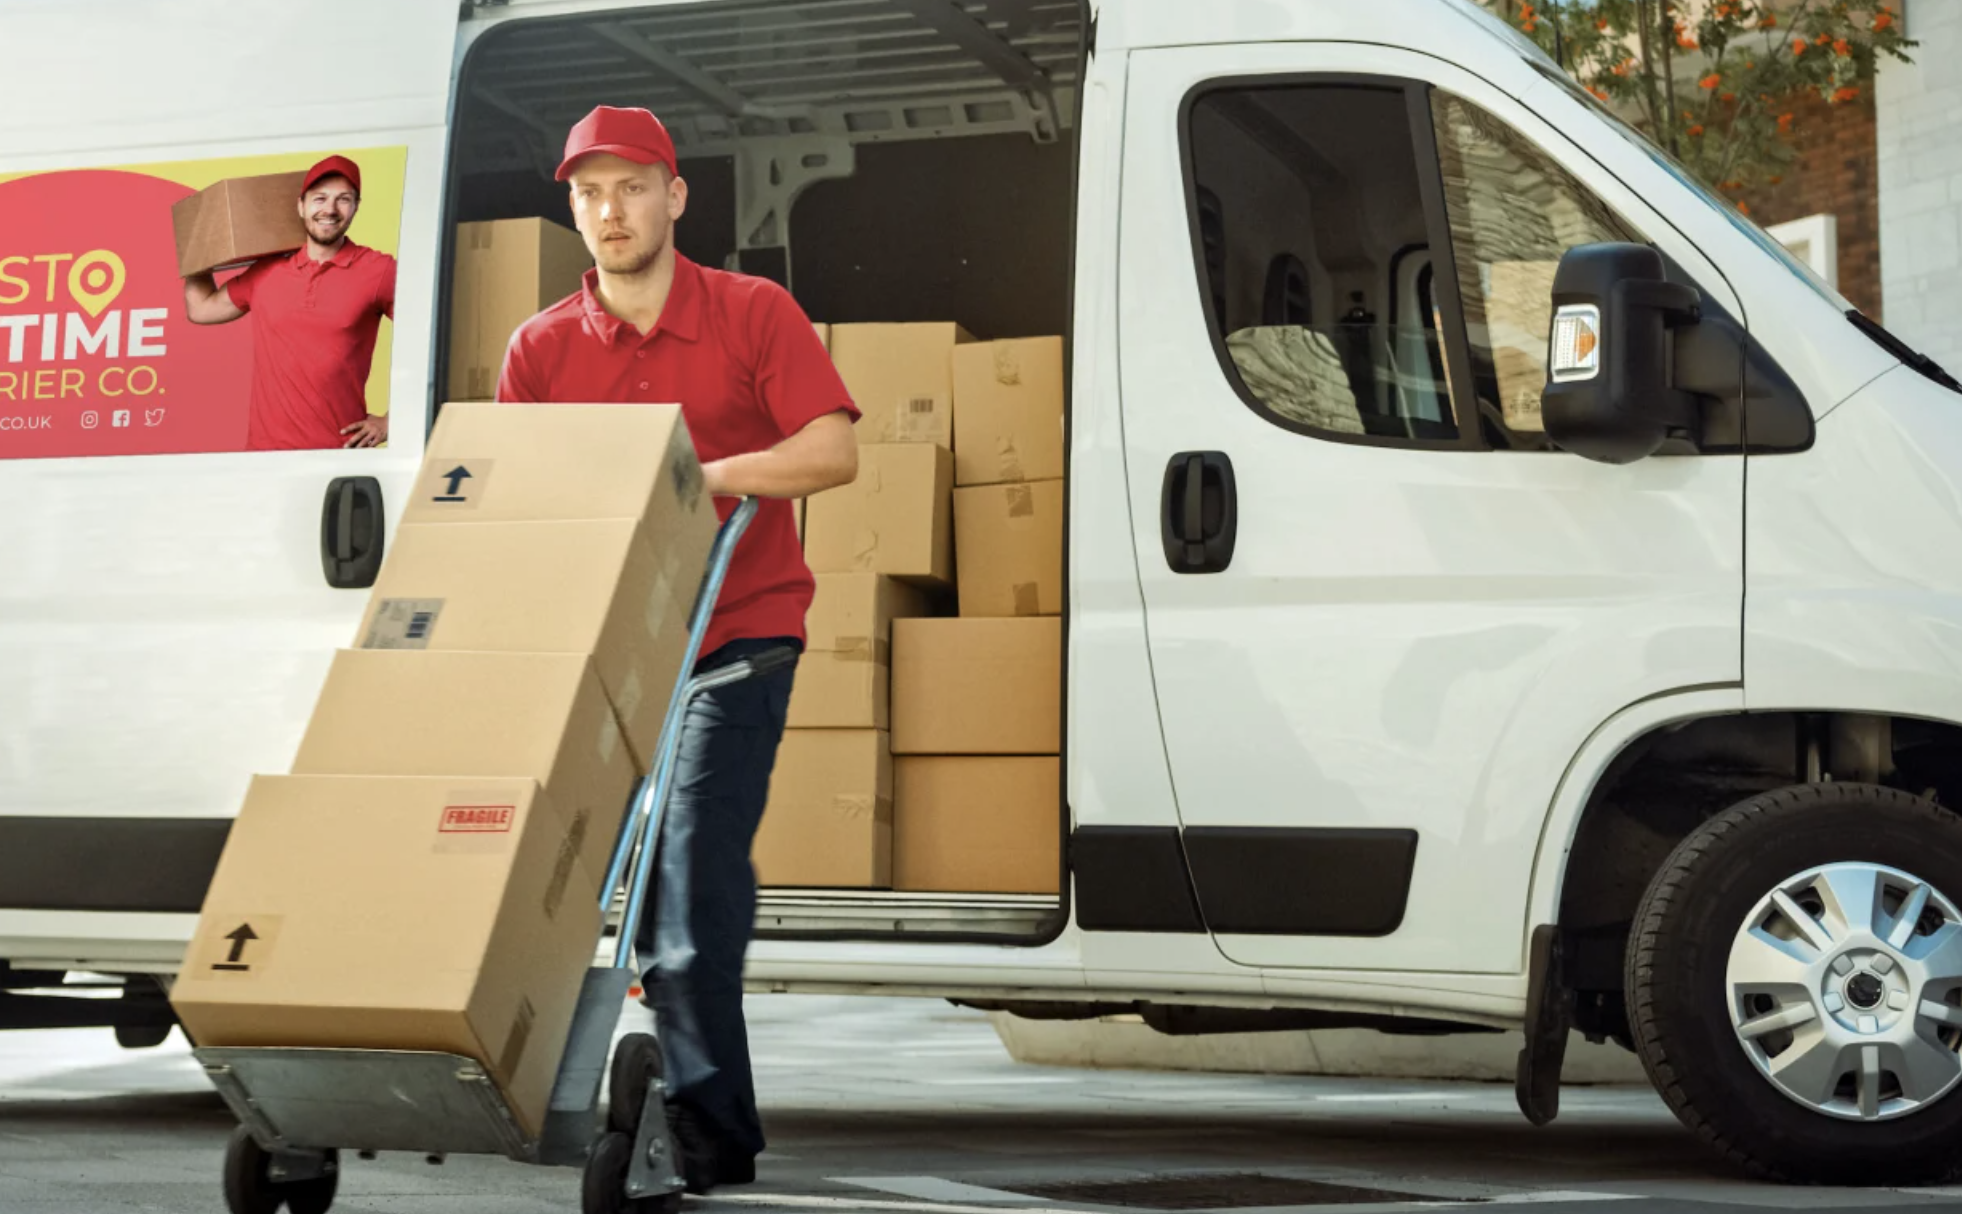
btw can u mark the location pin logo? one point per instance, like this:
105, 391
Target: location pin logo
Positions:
96, 279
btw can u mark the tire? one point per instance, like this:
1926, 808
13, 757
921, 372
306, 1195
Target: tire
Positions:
603, 1186
1703, 965
248, 1189
636, 1067
314, 1196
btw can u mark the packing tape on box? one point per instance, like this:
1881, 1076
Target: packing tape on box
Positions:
609, 738
1028, 599
569, 849
1021, 501
661, 599
517, 1039
1008, 368
876, 650
631, 694
1008, 459
858, 808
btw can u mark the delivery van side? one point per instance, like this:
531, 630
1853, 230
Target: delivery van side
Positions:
1360, 537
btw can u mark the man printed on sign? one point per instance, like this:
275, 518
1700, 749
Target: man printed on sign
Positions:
318, 311
772, 420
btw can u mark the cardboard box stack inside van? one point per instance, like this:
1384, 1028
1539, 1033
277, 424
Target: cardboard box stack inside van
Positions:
922, 753
427, 875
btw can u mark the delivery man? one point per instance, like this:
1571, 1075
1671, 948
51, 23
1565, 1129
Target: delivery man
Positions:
319, 310
770, 419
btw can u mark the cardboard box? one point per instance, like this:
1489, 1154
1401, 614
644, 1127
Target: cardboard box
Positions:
977, 826
490, 462
1010, 541
895, 519
448, 914
901, 377
977, 687
507, 271
843, 677
824, 334
600, 587
828, 822
1008, 411
540, 716
234, 221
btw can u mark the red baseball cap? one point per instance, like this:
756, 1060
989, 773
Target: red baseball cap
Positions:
331, 167
632, 134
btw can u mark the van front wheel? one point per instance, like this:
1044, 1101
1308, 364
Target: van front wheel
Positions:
1795, 985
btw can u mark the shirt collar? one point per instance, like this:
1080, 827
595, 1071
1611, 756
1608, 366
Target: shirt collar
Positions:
681, 317
343, 256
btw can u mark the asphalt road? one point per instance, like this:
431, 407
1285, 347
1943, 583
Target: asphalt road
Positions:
913, 1107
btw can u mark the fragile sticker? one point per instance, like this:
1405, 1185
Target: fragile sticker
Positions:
454, 484
234, 947
477, 819
403, 624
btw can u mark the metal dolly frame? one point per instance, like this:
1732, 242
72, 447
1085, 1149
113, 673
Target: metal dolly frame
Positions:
299, 1108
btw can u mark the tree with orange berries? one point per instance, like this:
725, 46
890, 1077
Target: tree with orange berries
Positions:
1716, 83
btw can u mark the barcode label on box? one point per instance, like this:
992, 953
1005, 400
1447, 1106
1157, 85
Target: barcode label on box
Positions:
403, 624
920, 404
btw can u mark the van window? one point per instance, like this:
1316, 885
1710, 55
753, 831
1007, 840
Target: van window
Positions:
1313, 258
1513, 212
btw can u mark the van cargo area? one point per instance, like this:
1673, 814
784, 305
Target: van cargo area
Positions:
890, 162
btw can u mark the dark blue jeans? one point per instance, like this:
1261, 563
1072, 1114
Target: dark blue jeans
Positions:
700, 916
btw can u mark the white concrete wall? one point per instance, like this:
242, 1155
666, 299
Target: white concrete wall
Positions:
1919, 117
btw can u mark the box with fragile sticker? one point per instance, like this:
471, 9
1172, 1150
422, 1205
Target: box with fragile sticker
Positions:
842, 678
600, 587
1010, 540
1008, 411
896, 518
539, 716
445, 913
901, 377
828, 822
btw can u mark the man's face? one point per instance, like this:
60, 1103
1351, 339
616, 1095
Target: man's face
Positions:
328, 208
626, 211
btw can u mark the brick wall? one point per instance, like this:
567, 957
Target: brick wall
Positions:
1837, 173
1920, 157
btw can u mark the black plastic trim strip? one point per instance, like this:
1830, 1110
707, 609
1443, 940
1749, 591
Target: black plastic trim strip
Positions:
1133, 879
142, 865
1281, 881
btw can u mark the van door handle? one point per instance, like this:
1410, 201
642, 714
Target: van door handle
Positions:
351, 529
1198, 512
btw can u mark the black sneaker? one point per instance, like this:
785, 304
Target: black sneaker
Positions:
706, 1161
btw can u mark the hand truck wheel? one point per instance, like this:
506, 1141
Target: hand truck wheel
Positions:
636, 1068
603, 1187
250, 1188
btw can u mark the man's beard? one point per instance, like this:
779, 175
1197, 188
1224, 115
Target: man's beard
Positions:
335, 230
624, 263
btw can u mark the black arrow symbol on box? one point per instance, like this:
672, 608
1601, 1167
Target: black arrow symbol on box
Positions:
239, 937
455, 476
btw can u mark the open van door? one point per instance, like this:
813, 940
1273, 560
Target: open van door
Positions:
170, 598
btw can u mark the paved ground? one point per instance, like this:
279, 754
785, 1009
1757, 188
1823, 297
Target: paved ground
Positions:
913, 1107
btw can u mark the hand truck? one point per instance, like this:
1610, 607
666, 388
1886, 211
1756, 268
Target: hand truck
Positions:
298, 1109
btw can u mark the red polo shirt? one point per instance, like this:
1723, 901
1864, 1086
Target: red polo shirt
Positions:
743, 362
313, 342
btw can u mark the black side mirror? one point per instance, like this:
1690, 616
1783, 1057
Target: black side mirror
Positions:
1609, 393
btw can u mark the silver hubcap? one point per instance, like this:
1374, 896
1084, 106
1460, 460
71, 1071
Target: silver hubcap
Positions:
1845, 990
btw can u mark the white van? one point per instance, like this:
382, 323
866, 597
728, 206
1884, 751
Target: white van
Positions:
1411, 682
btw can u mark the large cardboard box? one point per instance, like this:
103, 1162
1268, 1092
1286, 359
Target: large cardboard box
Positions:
977, 687
507, 271
237, 220
490, 462
541, 716
895, 519
844, 675
977, 825
828, 822
901, 377
1008, 411
601, 587
446, 913
1010, 541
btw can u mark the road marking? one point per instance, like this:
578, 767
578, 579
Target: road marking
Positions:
860, 1203
978, 1081
932, 1188
1379, 1097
